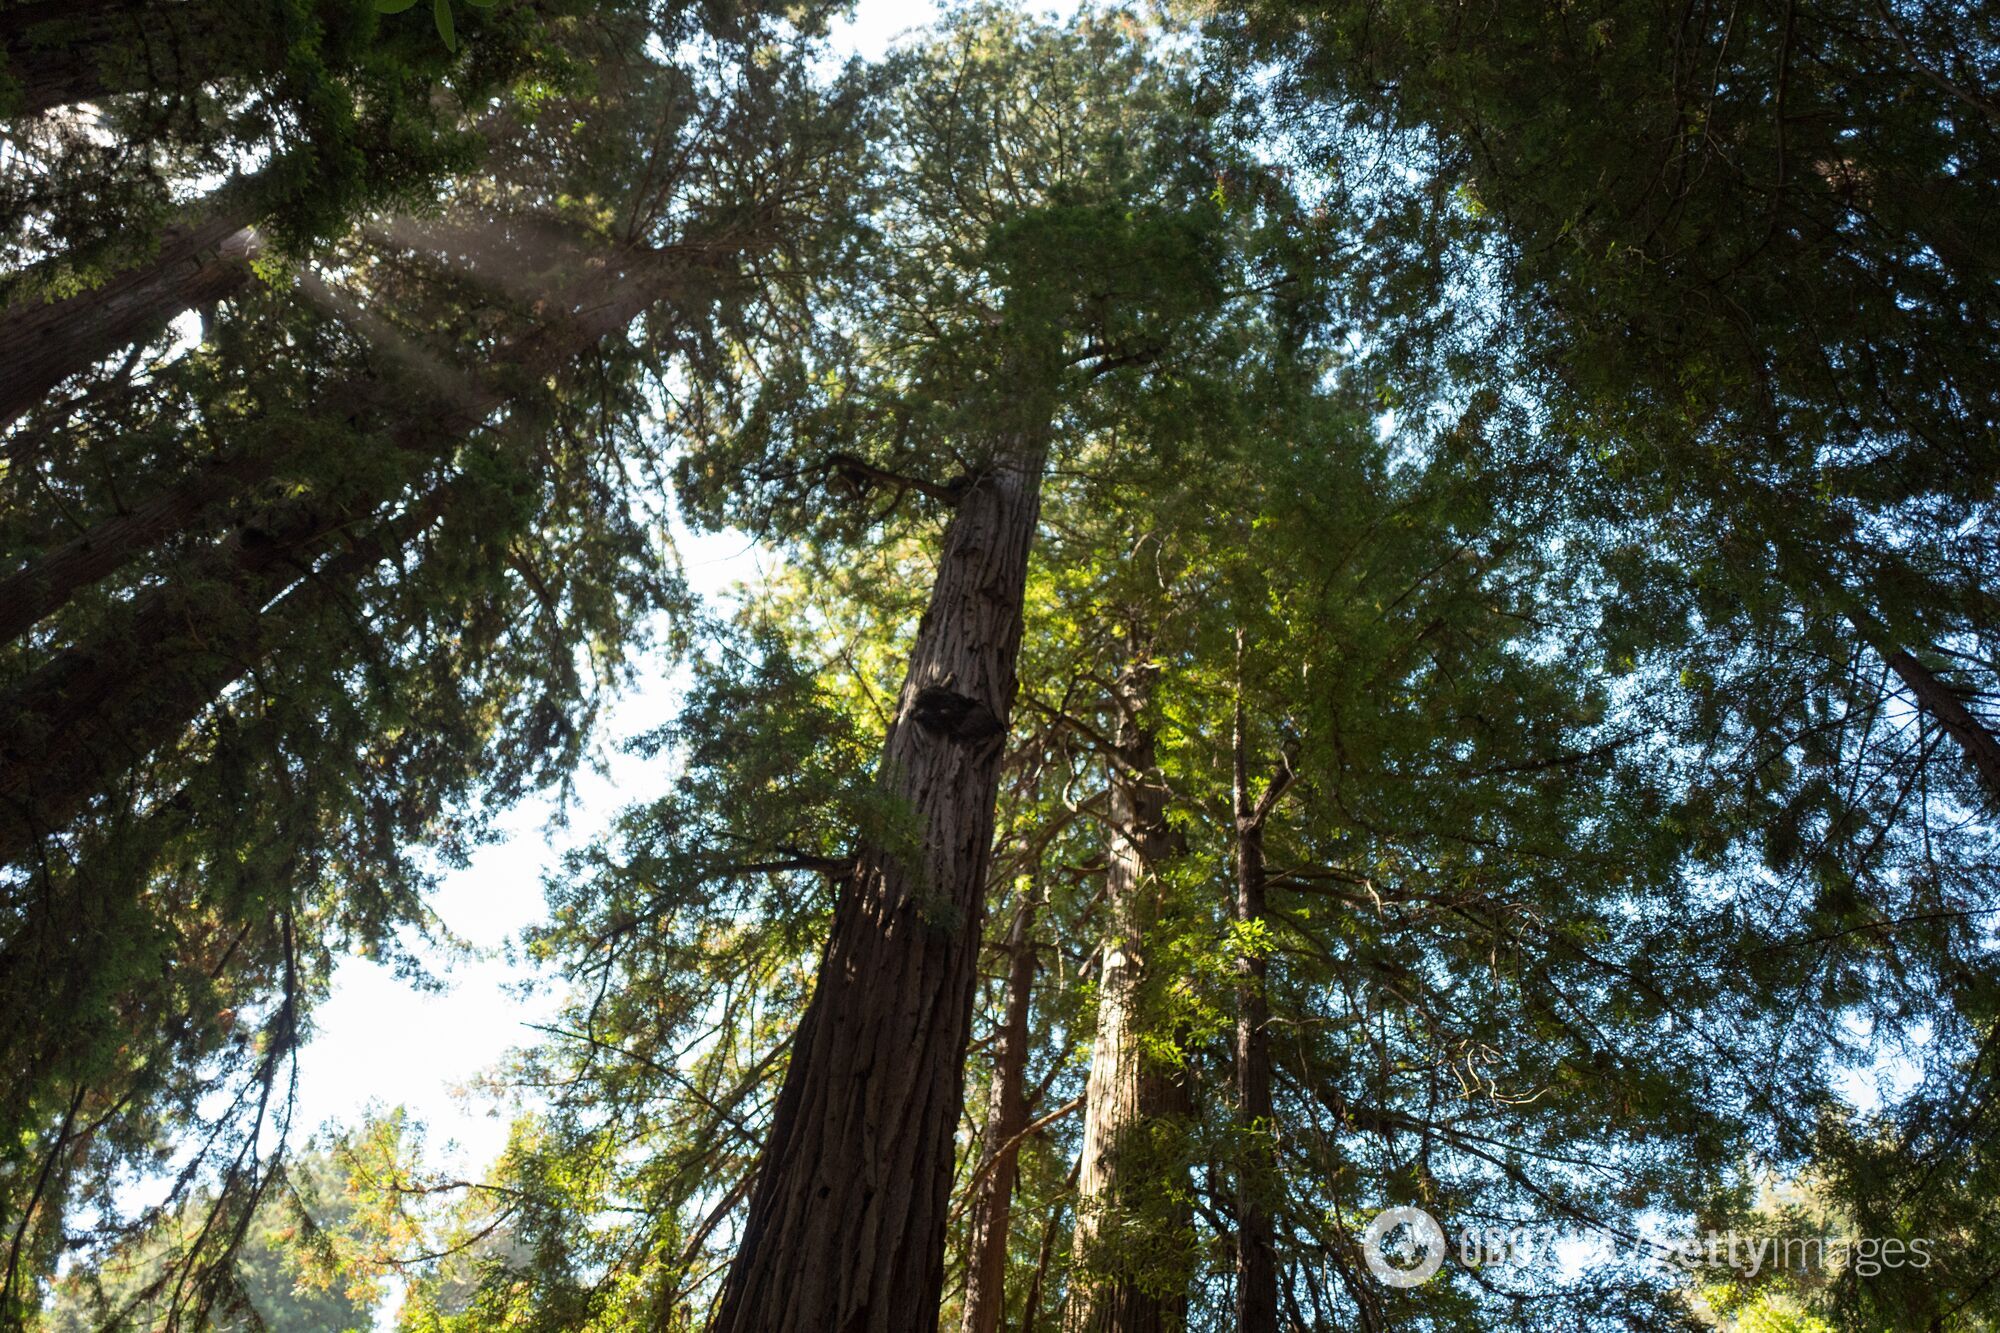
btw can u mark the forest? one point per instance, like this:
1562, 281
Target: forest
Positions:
1371, 701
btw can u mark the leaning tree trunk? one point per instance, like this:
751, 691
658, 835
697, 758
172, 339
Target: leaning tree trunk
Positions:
59, 52
596, 306
43, 343
1975, 741
1979, 746
1006, 1119
102, 706
47, 985
1127, 1094
1257, 1167
845, 1230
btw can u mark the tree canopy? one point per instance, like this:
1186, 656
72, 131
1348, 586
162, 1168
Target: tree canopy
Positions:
1367, 606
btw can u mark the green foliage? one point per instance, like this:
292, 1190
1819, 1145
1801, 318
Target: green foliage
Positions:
1724, 261
270, 1284
484, 565
1547, 452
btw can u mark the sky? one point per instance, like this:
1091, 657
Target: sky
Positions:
381, 1041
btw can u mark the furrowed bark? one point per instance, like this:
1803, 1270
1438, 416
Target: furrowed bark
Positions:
1006, 1117
1126, 1093
845, 1229
43, 343
1257, 1167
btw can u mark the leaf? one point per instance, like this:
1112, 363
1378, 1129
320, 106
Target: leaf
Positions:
392, 6
441, 11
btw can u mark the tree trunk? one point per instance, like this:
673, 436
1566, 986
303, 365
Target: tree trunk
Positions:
1257, 1168
1127, 1093
846, 1225
43, 343
1006, 1117
100, 707
101, 897
59, 52
589, 310
52, 578
1979, 746
1975, 741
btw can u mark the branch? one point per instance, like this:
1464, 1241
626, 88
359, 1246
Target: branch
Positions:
856, 469
1031, 1127
1110, 749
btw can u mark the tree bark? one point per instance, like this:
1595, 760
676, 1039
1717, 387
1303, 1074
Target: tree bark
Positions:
100, 707
47, 343
845, 1229
1977, 743
43, 343
60, 52
1006, 1117
1979, 746
1127, 1093
1257, 1168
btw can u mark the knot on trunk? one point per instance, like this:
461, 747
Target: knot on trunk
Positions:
954, 716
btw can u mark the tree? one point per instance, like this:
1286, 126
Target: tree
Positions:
1133, 1096
1786, 271
337, 599
1062, 249
992, 1193
1733, 261
268, 1286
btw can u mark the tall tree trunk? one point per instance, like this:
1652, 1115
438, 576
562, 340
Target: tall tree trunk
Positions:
845, 1230
102, 707
1127, 1093
59, 52
101, 894
43, 343
1257, 1168
46, 584
1006, 1118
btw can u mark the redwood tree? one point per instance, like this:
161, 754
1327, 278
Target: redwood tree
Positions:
1054, 246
